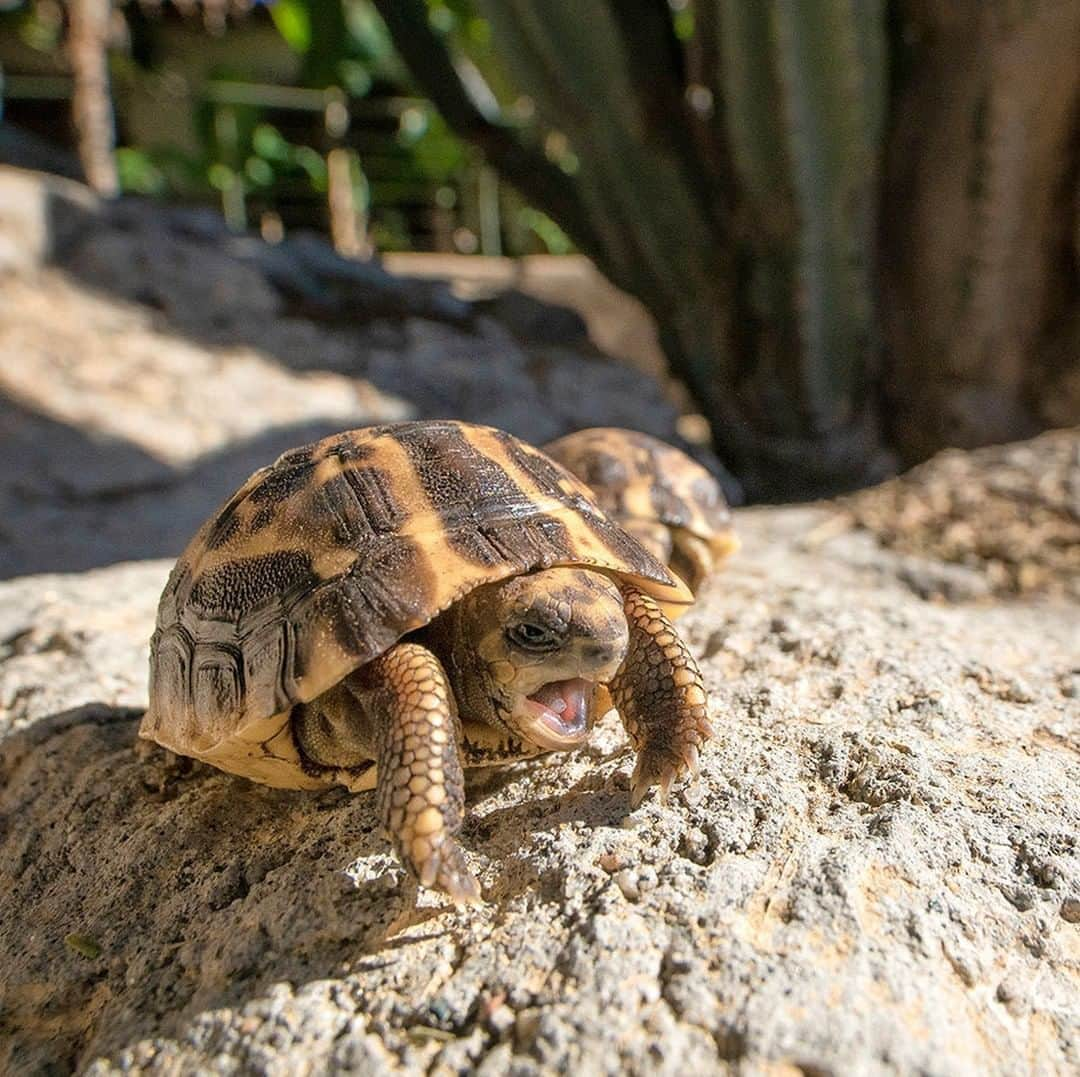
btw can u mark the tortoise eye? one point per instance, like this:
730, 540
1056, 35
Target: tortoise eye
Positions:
533, 637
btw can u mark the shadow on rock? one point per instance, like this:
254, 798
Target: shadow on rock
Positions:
137, 892
515, 362
76, 501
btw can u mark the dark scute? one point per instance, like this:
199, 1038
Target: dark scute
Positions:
268, 675
710, 497
394, 584
451, 472
224, 528
285, 478
298, 457
607, 478
240, 586
667, 504
170, 668
478, 503
476, 544
227, 519
603, 471
362, 504
532, 543
263, 518
541, 469
547, 474
388, 593
178, 585
489, 519
625, 547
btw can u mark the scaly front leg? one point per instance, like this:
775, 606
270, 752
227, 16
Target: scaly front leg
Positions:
661, 698
420, 787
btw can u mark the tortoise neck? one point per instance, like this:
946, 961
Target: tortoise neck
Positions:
452, 639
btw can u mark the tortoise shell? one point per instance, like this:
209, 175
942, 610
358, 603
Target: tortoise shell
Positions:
328, 557
634, 476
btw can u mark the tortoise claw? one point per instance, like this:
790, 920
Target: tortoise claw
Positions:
665, 785
692, 759
640, 785
444, 868
652, 770
447, 871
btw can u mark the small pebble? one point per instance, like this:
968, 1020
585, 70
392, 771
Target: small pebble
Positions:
611, 862
1070, 910
498, 1017
1023, 898
627, 882
647, 878
526, 1027
695, 845
1012, 995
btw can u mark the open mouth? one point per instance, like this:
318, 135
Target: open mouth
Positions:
557, 715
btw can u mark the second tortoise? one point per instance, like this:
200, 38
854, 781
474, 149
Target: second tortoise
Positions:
666, 500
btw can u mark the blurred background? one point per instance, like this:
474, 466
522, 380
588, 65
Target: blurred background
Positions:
814, 243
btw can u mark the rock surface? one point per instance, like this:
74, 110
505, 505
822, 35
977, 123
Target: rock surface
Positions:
879, 871
1005, 518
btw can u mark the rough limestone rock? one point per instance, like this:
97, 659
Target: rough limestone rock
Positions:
878, 872
1005, 519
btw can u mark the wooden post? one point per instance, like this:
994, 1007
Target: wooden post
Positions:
91, 104
348, 220
348, 213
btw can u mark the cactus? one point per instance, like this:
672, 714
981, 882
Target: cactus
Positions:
726, 167
803, 88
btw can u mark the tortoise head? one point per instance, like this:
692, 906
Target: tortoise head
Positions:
544, 642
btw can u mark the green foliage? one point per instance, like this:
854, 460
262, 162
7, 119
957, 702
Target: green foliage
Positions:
370, 42
139, 174
211, 139
439, 155
342, 42
38, 26
293, 21
553, 238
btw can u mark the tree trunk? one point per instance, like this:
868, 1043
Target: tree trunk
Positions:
980, 285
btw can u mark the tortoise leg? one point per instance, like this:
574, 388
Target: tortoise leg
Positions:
660, 696
691, 558
694, 559
420, 788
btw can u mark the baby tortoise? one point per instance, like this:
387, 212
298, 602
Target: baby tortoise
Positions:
388, 605
667, 501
